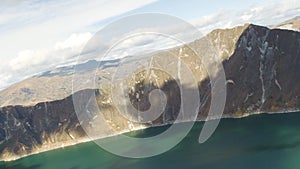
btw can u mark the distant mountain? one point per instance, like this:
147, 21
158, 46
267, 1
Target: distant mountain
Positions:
88, 66
261, 66
292, 24
51, 85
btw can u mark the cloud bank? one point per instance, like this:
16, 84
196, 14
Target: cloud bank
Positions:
39, 35
36, 37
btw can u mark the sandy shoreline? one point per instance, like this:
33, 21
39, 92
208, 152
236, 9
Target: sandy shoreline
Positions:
54, 146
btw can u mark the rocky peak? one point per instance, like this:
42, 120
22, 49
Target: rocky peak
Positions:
261, 67
224, 40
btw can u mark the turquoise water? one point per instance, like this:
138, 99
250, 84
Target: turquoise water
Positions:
256, 142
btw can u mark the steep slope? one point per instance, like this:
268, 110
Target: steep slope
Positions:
265, 71
49, 125
261, 66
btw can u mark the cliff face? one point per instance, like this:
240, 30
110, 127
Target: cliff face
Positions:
28, 129
23, 129
261, 67
265, 71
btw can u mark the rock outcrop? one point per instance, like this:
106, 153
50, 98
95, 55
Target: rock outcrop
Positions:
261, 67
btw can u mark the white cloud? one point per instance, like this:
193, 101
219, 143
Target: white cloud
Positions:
74, 41
32, 32
265, 13
35, 25
29, 62
142, 43
28, 58
64, 51
152, 39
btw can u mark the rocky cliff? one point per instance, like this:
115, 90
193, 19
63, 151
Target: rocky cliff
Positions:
261, 67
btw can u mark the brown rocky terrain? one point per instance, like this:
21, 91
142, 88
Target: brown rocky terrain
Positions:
292, 24
261, 67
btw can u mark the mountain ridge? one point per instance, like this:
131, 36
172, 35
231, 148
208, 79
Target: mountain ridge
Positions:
291, 24
261, 67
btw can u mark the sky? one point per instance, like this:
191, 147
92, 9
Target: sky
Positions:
40, 35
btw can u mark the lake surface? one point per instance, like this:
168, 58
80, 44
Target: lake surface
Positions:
255, 142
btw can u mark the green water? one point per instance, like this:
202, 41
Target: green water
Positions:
256, 142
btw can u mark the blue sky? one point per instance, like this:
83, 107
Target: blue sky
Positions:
182, 8
187, 10
39, 35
